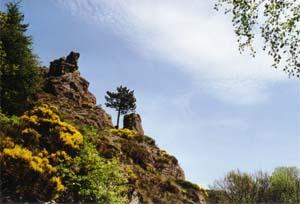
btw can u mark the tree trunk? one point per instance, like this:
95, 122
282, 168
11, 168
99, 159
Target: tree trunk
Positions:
119, 112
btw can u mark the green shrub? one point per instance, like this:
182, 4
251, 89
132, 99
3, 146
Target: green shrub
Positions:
285, 185
92, 178
191, 186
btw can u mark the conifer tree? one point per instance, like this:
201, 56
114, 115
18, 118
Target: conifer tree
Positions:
19, 66
123, 101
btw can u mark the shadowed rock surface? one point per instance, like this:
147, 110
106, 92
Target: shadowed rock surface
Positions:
64, 65
133, 121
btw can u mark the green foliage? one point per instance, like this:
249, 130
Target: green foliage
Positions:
237, 187
285, 185
191, 186
123, 101
18, 65
5, 120
91, 178
278, 21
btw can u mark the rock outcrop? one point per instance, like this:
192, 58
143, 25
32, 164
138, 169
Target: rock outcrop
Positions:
133, 121
154, 176
64, 65
65, 88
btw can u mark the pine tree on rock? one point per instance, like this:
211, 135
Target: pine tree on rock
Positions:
123, 101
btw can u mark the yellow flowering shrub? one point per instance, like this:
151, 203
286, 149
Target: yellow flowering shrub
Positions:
57, 182
18, 152
69, 135
32, 133
202, 189
43, 126
31, 154
59, 155
7, 142
34, 173
127, 133
36, 163
164, 152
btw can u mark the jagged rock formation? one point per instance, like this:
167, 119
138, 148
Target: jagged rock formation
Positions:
154, 176
65, 88
133, 121
64, 65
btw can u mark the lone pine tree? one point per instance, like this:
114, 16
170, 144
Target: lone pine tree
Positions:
123, 101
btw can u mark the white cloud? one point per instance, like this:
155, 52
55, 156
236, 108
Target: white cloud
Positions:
190, 35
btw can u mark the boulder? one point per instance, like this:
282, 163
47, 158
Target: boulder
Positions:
133, 121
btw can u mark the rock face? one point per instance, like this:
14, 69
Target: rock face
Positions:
72, 87
133, 121
154, 176
64, 65
65, 88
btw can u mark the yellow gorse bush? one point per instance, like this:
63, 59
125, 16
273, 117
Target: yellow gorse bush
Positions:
69, 135
39, 164
40, 142
43, 121
164, 152
31, 132
7, 142
124, 132
202, 189
56, 180
60, 155
36, 163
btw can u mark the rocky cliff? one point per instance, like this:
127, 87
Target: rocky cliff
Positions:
65, 88
153, 175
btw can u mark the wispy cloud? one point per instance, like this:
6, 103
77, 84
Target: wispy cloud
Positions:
191, 36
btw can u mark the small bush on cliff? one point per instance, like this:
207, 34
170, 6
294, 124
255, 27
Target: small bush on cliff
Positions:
18, 65
91, 178
126, 133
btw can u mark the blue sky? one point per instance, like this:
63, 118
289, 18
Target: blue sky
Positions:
213, 108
